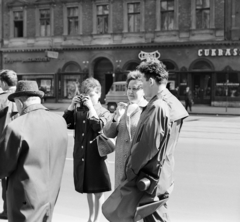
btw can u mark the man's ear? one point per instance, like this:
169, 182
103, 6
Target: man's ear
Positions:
151, 81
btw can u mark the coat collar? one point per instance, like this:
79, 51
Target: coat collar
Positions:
33, 108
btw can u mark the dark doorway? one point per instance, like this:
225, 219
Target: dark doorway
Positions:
202, 83
103, 72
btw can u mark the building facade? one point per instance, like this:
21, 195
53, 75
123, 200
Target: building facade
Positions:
58, 43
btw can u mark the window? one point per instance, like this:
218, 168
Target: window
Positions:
45, 22
72, 14
134, 19
102, 19
167, 14
202, 14
18, 23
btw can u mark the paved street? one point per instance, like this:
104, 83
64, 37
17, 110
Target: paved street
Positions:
207, 175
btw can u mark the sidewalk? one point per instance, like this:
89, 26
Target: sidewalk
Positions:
196, 109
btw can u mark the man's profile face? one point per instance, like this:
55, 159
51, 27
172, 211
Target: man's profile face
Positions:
146, 85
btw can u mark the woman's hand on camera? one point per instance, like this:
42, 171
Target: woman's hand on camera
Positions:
87, 102
75, 100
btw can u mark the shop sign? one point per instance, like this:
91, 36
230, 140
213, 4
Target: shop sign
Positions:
52, 54
218, 52
228, 84
37, 59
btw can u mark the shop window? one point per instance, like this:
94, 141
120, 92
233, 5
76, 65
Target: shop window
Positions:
45, 83
167, 14
18, 23
134, 14
72, 14
102, 19
202, 14
45, 27
228, 84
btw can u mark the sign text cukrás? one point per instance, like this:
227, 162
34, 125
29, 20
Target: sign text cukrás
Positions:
218, 52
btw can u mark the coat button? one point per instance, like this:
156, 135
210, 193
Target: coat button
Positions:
126, 140
82, 159
83, 134
82, 147
83, 121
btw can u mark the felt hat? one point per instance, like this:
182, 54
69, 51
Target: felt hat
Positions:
26, 88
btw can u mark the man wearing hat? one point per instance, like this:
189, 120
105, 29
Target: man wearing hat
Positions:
32, 156
8, 111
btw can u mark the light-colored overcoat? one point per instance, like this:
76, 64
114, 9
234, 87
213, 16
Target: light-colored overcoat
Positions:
32, 156
124, 130
152, 153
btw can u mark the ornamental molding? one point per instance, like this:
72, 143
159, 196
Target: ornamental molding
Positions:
124, 46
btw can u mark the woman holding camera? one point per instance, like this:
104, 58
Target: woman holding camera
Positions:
87, 116
124, 123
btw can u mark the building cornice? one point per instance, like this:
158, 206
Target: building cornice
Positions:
121, 46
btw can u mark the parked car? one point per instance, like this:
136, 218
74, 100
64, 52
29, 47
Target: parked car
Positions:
116, 94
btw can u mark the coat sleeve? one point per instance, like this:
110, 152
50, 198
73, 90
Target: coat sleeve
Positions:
111, 128
69, 118
98, 124
148, 141
10, 145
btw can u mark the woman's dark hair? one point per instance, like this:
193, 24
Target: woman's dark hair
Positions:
134, 75
155, 70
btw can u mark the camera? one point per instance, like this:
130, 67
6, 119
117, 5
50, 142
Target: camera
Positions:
81, 97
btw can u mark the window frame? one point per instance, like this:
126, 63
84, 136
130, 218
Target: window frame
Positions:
159, 15
65, 18
45, 25
95, 4
37, 17
125, 15
194, 15
16, 9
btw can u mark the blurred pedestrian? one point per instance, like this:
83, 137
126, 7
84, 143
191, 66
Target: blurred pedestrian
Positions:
188, 99
123, 125
32, 156
8, 111
87, 116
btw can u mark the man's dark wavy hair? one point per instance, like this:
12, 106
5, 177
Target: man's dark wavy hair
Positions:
155, 70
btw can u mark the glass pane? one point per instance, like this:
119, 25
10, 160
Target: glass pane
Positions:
42, 30
130, 8
75, 13
100, 10
105, 24
206, 3
170, 20
102, 25
163, 5
206, 19
48, 28
164, 21
199, 19
199, 3
137, 23
18, 15
136, 7
131, 23
106, 9
171, 5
